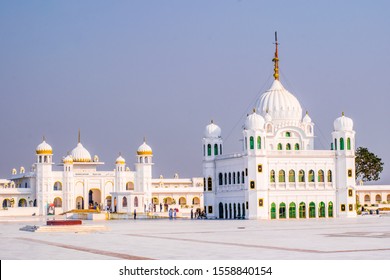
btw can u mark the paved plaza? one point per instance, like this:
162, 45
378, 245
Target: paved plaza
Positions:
364, 237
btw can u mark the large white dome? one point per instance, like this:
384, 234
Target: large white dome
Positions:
254, 122
280, 104
81, 154
144, 149
212, 131
343, 123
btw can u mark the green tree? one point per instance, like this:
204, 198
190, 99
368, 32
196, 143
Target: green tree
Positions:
368, 165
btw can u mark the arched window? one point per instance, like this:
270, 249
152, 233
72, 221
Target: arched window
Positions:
302, 210
292, 211
329, 176
251, 143
301, 176
135, 201
367, 198
246, 143
57, 186
280, 146
215, 149
258, 142
146, 159
291, 176
296, 146
234, 178
272, 176
288, 147
23, 202
57, 202
378, 198
348, 143
282, 176
330, 209
209, 184
243, 177
182, 201
225, 179
238, 177
341, 143
196, 201
124, 201
311, 176
388, 198
209, 149
288, 134
269, 128
321, 176
273, 210
282, 210
230, 178
312, 210
129, 186
220, 177
321, 210
204, 150
220, 149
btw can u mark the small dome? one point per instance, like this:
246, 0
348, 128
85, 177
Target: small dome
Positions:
343, 123
280, 103
81, 154
68, 159
44, 149
212, 131
144, 149
306, 118
120, 160
254, 122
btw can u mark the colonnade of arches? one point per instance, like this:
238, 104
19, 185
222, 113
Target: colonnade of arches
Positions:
301, 210
378, 198
231, 210
311, 178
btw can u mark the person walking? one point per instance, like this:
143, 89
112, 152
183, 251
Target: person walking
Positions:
135, 214
192, 214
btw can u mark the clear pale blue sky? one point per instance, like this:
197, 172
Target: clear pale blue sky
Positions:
122, 70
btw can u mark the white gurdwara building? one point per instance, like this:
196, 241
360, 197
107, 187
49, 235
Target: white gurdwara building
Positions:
279, 174
80, 185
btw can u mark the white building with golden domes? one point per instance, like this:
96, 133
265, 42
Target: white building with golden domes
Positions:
278, 174
79, 184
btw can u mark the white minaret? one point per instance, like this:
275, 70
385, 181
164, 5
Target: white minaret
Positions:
212, 147
68, 190
344, 148
143, 169
256, 164
120, 181
44, 184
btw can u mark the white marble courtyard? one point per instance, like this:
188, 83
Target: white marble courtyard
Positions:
364, 237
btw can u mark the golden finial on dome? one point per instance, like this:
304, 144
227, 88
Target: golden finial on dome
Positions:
307, 113
276, 58
43, 138
342, 114
79, 137
144, 139
254, 110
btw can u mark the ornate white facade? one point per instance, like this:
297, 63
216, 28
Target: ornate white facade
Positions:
80, 185
278, 174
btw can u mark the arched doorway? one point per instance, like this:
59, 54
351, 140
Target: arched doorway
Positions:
273, 211
226, 211
230, 210
282, 210
94, 198
108, 202
302, 210
243, 211
220, 210
321, 212
330, 209
195, 201
312, 210
292, 211
238, 211
235, 211
79, 202
57, 202
22, 202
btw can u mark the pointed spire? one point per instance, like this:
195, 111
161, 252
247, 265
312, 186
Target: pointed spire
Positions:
144, 139
43, 138
79, 137
276, 58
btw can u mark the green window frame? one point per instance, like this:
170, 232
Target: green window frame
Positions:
329, 176
296, 146
288, 147
272, 176
302, 210
348, 144
330, 209
273, 211
311, 176
312, 210
321, 176
291, 176
258, 142
282, 176
251, 143
321, 210
282, 211
292, 213
341, 144
280, 146
209, 149
215, 149
301, 176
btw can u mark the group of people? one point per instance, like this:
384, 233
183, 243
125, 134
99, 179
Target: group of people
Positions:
198, 214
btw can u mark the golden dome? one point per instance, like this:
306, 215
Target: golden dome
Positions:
44, 149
